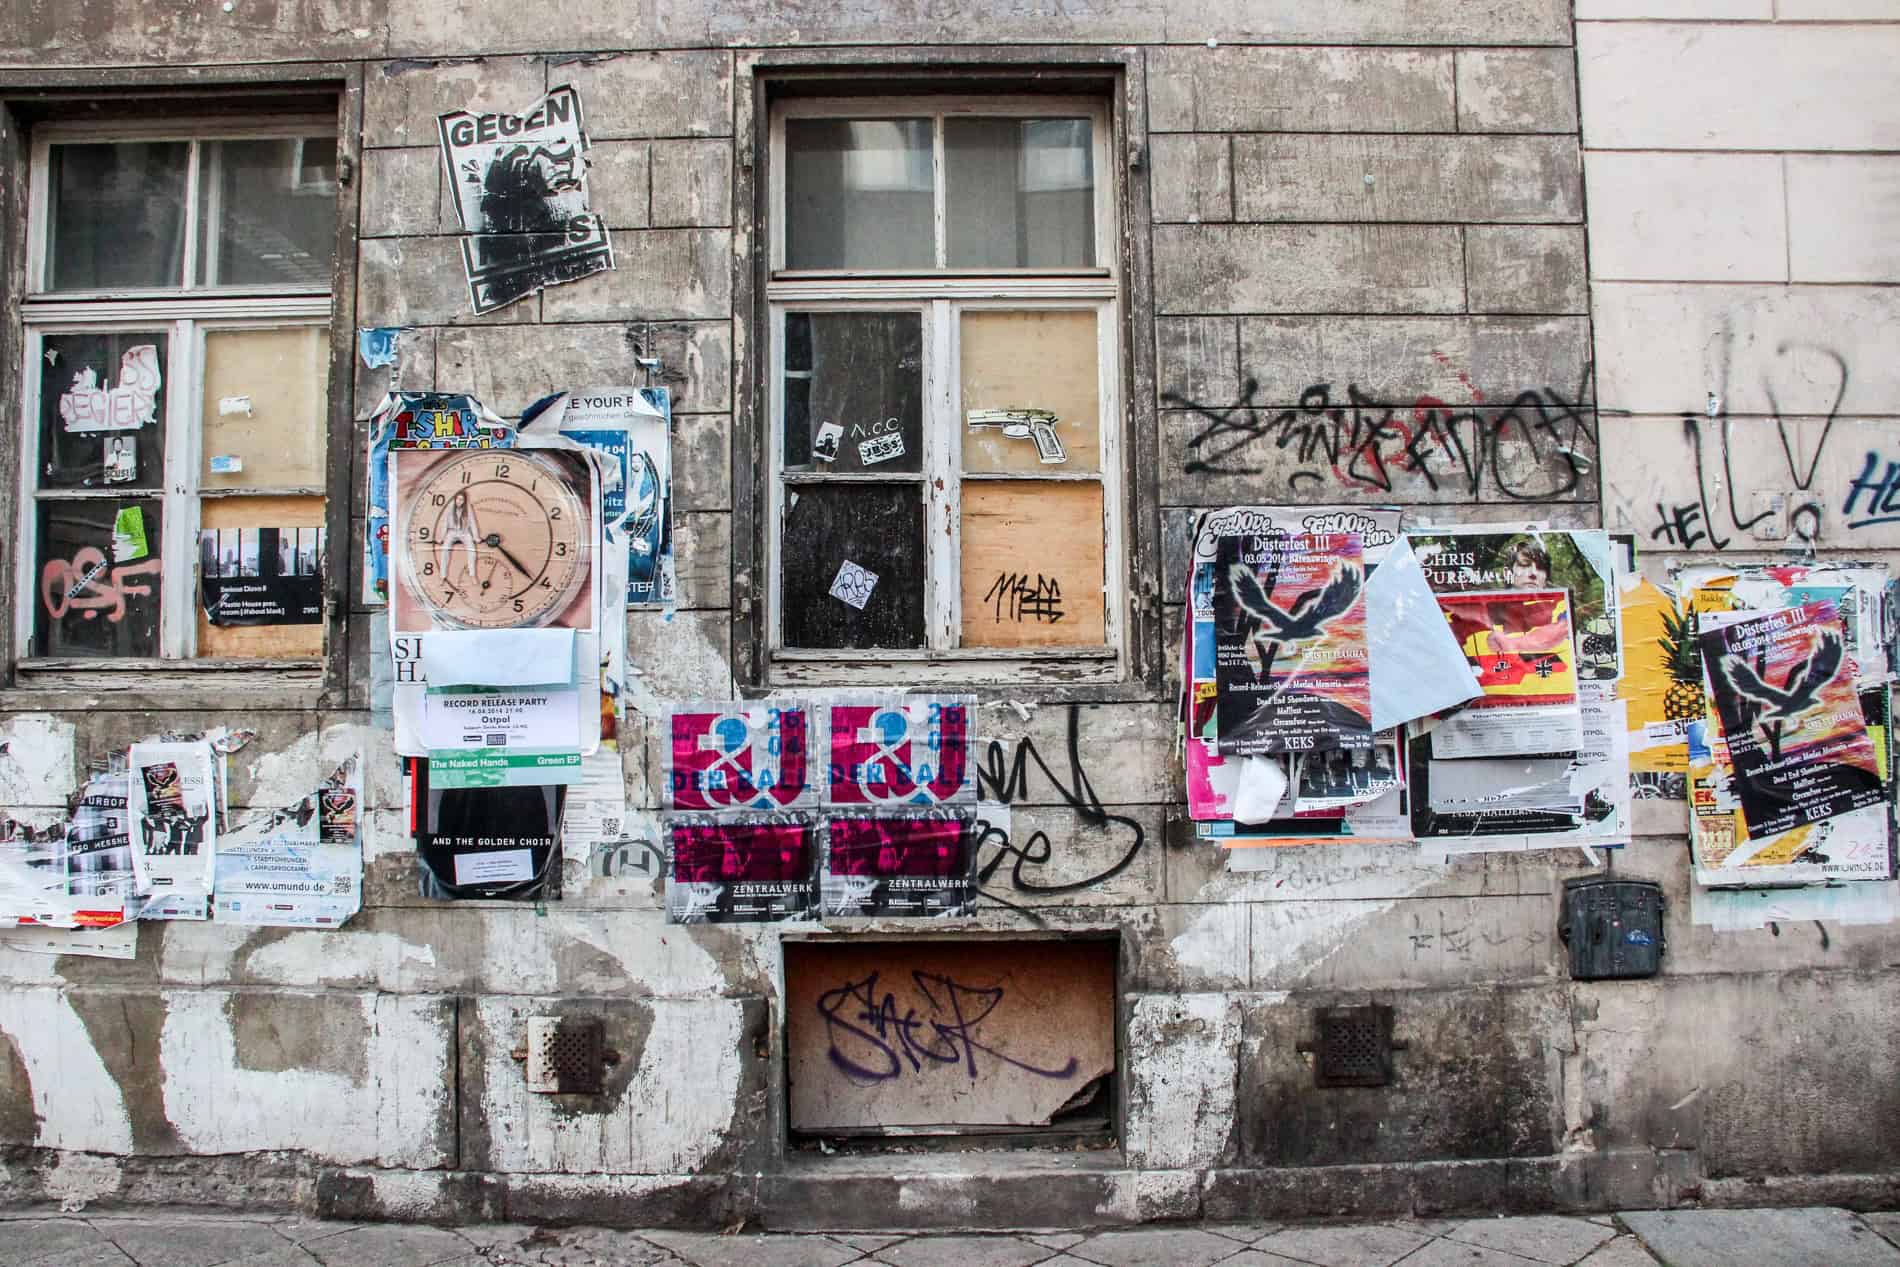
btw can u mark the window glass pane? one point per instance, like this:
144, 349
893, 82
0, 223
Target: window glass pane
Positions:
854, 391
264, 397
88, 601
1031, 393
858, 194
260, 560
879, 527
268, 212
1020, 192
102, 410
116, 215
1032, 564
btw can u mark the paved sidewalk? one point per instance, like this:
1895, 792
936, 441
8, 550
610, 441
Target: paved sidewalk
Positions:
1670, 1238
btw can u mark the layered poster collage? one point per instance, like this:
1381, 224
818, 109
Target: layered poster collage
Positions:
790, 809
1348, 680
1351, 677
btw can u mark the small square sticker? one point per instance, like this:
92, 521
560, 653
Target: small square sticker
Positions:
853, 584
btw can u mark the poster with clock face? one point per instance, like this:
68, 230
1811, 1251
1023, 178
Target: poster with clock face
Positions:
494, 539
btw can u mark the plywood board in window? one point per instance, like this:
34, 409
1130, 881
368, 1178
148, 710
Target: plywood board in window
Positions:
1032, 359
1032, 564
957, 1036
274, 642
264, 407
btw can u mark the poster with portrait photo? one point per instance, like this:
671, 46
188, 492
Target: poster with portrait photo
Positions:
1525, 557
261, 576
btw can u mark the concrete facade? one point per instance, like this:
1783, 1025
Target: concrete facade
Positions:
1607, 218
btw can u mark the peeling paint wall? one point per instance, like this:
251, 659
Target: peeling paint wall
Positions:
1381, 202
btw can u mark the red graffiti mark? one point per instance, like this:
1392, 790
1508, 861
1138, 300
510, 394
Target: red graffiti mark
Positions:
1464, 378
83, 584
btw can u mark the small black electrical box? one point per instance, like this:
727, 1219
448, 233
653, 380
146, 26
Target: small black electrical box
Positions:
1613, 928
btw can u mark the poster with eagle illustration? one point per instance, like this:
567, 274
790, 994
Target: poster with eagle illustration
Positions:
1783, 688
1290, 643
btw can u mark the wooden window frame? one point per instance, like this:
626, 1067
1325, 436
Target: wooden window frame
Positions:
41, 108
941, 294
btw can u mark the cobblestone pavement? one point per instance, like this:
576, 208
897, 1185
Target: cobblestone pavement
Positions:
1672, 1238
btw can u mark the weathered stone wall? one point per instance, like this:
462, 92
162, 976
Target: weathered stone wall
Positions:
1367, 282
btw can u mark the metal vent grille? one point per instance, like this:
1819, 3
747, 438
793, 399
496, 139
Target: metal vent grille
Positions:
566, 1056
1354, 1048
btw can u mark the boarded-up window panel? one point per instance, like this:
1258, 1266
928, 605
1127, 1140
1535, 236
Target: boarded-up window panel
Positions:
911, 1037
264, 407
87, 602
271, 642
879, 527
1031, 360
1032, 564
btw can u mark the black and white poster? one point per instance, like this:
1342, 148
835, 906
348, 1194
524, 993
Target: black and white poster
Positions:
520, 188
261, 576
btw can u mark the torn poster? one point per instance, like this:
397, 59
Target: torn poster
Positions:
913, 750
739, 756
99, 864
500, 842
520, 188
741, 868
1522, 807
261, 576
1528, 557
1782, 687
297, 867
1519, 644
416, 420
1290, 660
1851, 846
377, 345
1327, 784
92, 404
173, 798
922, 862
633, 427
1857, 590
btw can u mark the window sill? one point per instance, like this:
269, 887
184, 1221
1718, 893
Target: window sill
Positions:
1012, 666
259, 685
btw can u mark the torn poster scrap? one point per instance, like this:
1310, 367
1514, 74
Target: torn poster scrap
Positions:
297, 867
922, 862
1518, 642
261, 576
1290, 660
915, 750
1782, 687
739, 756
174, 801
740, 869
520, 188
92, 404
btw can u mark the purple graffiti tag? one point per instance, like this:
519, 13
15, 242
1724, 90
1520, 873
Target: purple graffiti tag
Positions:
874, 1029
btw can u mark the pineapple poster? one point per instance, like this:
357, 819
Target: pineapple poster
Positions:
1783, 690
1662, 677
1462, 560
1290, 659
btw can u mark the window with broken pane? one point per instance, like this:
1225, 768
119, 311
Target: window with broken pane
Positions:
177, 319
945, 388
